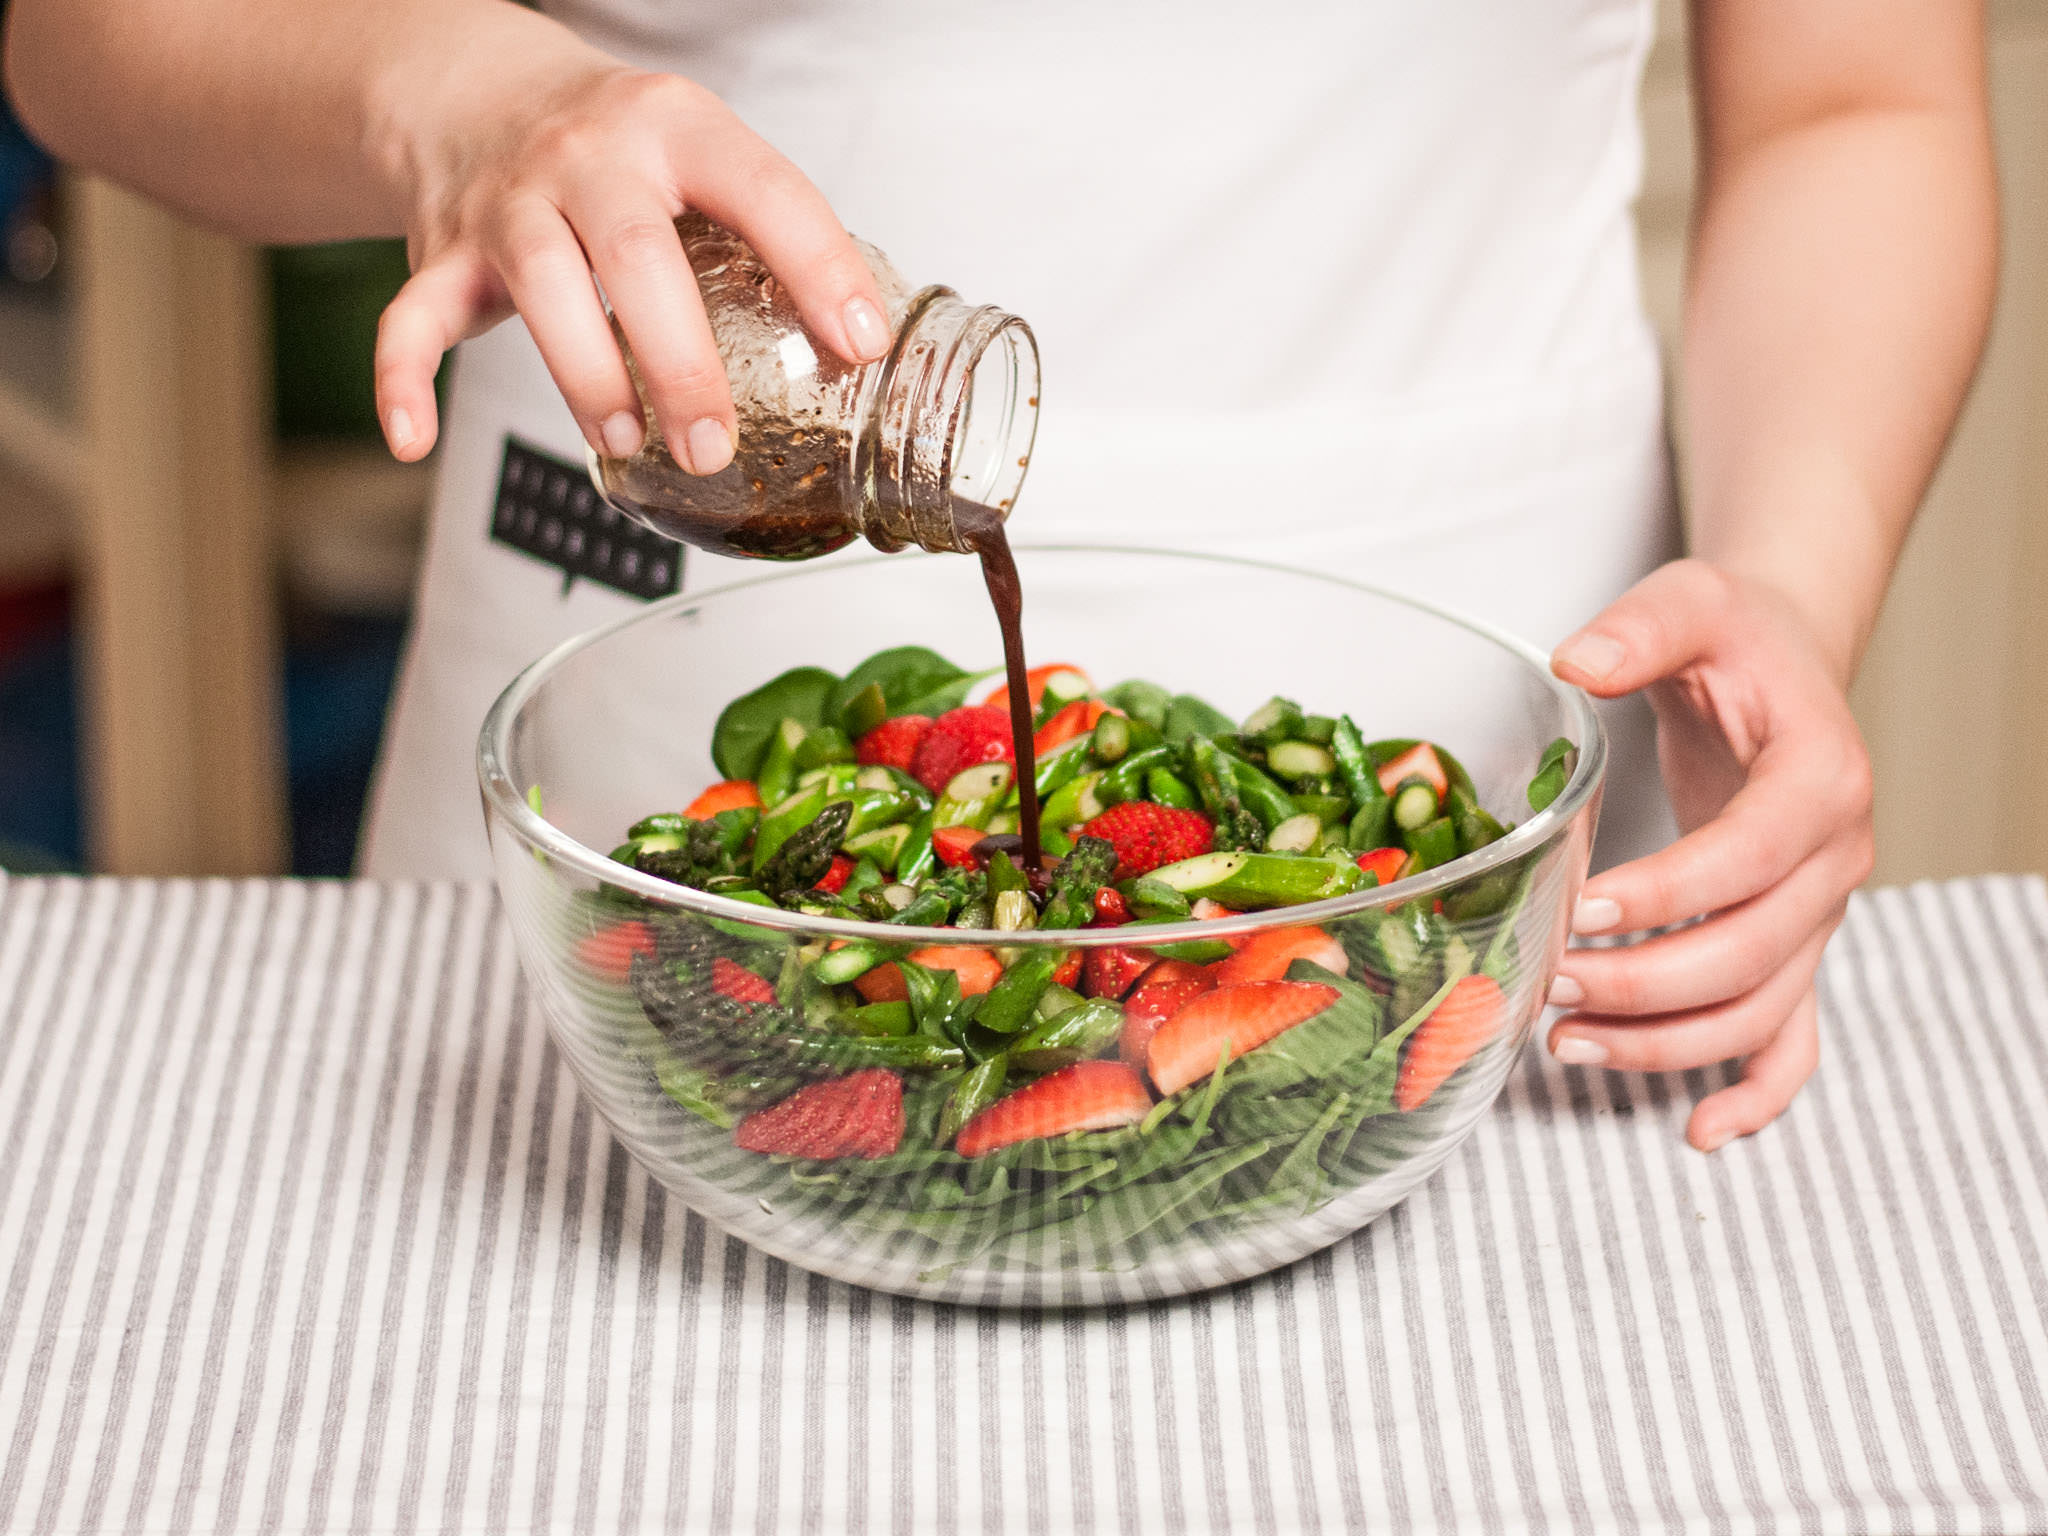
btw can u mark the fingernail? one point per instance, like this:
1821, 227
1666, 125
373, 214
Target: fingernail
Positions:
866, 331
1596, 914
1593, 654
710, 446
1565, 992
623, 433
398, 428
1716, 1141
1579, 1051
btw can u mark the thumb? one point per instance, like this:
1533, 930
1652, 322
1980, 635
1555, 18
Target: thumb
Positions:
1662, 623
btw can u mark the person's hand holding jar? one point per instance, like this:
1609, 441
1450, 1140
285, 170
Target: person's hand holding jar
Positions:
540, 163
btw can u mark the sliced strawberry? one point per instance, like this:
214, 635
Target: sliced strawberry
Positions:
893, 743
1147, 836
1229, 1020
1266, 956
1110, 907
882, 984
1419, 761
1207, 911
978, 970
735, 981
728, 795
609, 952
1088, 1096
1034, 684
1471, 1014
836, 875
960, 738
1386, 863
955, 845
1166, 989
1073, 720
1070, 969
860, 1115
1114, 970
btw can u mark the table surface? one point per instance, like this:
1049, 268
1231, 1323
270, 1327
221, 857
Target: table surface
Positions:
305, 1228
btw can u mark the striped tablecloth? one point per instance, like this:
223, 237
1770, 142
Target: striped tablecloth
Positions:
304, 1229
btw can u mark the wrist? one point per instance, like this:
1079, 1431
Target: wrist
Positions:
439, 99
1832, 624
1816, 546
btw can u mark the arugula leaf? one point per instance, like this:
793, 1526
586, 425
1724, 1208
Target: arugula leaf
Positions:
1301, 1171
1374, 1084
691, 1088
740, 739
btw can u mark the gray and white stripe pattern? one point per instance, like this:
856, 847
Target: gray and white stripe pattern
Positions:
304, 1227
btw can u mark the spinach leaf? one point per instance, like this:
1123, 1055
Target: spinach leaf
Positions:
936, 1006
1141, 700
1189, 716
1560, 758
913, 680
740, 739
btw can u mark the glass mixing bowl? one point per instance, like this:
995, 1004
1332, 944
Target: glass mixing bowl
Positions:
1288, 1148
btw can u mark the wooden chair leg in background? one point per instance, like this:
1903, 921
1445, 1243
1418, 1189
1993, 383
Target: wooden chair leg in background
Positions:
182, 734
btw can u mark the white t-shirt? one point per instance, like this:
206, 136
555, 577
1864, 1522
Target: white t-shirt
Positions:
1366, 268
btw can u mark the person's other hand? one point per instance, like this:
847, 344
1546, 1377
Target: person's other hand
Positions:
536, 175
1772, 787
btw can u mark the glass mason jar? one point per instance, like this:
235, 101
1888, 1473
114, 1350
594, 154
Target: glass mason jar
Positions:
830, 451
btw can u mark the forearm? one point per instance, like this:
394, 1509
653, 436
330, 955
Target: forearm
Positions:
278, 120
1841, 281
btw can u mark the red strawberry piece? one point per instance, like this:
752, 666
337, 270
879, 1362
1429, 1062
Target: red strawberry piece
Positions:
609, 952
1071, 720
893, 743
1035, 683
1265, 956
955, 845
1110, 907
1226, 1023
739, 983
960, 738
1147, 836
1114, 970
1385, 863
1207, 911
1070, 969
1088, 1096
1166, 989
860, 1115
1418, 762
726, 795
1471, 1014
836, 875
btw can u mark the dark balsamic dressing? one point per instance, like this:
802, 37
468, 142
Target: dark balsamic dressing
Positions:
981, 530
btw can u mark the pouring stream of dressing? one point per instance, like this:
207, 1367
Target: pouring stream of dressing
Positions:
981, 530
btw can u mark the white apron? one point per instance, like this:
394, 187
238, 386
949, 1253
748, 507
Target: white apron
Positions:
1345, 285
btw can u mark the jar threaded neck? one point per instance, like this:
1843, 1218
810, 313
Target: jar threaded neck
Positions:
949, 415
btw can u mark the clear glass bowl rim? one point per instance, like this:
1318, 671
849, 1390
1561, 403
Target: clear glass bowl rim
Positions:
507, 801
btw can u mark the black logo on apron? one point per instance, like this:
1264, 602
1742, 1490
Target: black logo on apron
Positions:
547, 508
